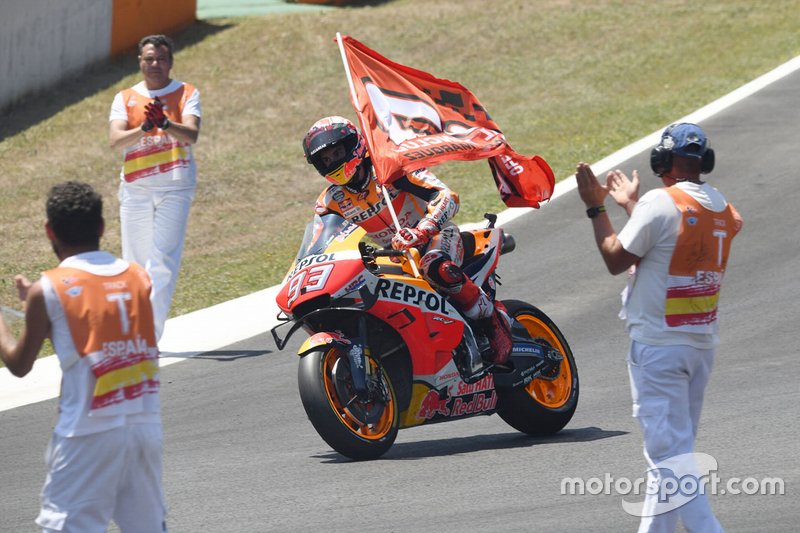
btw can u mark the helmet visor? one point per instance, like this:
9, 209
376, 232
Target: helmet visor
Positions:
338, 163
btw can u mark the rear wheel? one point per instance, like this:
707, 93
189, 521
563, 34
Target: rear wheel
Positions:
360, 426
544, 406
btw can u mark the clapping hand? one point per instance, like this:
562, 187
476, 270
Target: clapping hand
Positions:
154, 111
624, 190
591, 192
23, 286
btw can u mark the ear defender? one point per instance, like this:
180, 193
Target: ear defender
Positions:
660, 160
661, 156
707, 164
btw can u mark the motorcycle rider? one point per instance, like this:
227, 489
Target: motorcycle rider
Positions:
424, 206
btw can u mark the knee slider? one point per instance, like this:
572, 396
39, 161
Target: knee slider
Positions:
450, 273
441, 270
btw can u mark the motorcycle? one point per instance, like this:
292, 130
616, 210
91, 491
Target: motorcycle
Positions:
387, 352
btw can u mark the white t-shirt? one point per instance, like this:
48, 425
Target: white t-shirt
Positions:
651, 233
191, 107
78, 381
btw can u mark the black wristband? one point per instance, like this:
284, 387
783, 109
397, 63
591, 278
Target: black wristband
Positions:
594, 211
166, 124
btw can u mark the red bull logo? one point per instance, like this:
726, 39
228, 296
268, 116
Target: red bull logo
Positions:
351, 166
432, 404
478, 404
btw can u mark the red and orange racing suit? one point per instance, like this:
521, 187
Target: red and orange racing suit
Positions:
415, 196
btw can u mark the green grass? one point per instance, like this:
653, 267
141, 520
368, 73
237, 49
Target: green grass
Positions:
568, 80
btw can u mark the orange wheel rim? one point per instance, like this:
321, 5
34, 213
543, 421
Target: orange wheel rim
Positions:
555, 393
375, 431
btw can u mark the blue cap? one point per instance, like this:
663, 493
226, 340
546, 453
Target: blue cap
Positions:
684, 139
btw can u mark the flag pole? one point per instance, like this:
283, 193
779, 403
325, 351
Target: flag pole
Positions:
357, 105
353, 94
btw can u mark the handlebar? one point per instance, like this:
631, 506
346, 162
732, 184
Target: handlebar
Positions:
369, 253
387, 252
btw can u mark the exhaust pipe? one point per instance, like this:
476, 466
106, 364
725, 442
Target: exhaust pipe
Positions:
508, 243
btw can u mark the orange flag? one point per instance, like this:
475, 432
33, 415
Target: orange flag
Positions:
412, 120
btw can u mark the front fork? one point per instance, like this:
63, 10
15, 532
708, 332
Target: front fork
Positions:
357, 349
358, 355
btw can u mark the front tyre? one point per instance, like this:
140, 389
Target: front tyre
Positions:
544, 406
359, 426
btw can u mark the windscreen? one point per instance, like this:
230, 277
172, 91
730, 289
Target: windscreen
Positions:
320, 232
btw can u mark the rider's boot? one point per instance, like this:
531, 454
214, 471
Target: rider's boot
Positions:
490, 320
497, 329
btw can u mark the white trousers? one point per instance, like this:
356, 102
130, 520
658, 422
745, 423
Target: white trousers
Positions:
667, 386
153, 226
95, 478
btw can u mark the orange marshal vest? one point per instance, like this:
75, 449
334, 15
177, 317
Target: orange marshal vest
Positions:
698, 264
110, 320
157, 152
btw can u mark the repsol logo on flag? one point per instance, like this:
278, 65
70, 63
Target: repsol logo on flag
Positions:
411, 295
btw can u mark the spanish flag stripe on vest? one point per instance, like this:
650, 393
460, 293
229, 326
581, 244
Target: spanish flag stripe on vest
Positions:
702, 319
126, 376
693, 291
110, 364
150, 171
150, 150
699, 304
130, 392
158, 158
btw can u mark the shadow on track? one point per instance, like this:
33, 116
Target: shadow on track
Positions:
218, 355
461, 445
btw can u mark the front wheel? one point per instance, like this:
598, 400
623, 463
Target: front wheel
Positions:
360, 426
544, 406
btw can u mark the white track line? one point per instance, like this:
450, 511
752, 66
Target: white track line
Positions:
229, 322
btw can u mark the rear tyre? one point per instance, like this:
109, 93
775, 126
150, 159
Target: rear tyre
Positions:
542, 407
360, 428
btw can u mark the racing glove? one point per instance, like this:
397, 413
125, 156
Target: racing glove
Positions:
154, 111
415, 237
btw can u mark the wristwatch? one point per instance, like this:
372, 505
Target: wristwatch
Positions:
596, 210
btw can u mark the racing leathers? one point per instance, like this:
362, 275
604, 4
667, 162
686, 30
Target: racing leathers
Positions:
424, 207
